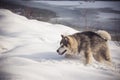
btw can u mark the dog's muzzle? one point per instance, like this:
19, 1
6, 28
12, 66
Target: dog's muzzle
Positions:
61, 52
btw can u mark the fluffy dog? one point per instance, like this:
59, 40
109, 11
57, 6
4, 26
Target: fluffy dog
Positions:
93, 44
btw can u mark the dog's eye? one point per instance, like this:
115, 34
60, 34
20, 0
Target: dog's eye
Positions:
64, 41
60, 43
62, 46
66, 44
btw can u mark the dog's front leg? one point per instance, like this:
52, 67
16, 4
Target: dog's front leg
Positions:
88, 56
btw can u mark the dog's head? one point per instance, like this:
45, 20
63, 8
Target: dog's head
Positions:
64, 45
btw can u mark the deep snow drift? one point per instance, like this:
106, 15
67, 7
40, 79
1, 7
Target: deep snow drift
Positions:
28, 52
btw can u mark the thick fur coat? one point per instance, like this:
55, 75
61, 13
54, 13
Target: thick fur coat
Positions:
93, 44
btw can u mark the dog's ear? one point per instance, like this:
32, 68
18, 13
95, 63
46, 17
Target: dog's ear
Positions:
62, 36
65, 38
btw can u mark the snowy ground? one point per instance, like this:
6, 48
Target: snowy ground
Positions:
28, 52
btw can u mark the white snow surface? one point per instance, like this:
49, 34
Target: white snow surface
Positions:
28, 52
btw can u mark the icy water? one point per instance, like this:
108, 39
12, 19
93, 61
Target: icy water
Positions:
79, 14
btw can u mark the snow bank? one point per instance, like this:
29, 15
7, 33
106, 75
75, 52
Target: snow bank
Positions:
28, 52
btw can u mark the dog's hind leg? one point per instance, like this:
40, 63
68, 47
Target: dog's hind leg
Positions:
99, 57
107, 56
104, 56
105, 53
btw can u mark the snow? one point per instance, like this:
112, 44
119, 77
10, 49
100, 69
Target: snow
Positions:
28, 52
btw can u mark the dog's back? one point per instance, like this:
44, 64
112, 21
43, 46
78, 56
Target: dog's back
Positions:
89, 37
88, 34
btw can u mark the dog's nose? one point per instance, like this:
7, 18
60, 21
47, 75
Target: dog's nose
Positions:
57, 50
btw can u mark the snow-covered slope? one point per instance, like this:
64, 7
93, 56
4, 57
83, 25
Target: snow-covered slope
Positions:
28, 52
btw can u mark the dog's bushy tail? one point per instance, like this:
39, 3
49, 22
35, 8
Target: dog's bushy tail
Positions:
104, 34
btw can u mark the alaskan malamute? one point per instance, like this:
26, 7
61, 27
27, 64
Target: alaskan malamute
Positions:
93, 44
